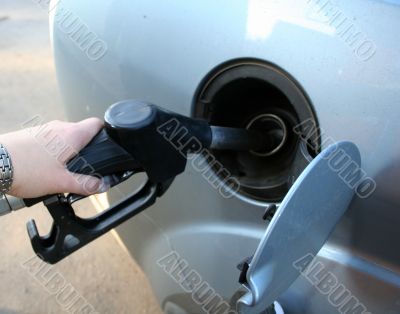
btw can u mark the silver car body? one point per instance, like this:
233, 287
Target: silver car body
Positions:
345, 56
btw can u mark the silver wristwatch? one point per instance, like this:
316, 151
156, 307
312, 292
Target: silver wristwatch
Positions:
6, 170
7, 203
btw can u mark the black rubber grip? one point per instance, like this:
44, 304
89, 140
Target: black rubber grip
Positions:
102, 156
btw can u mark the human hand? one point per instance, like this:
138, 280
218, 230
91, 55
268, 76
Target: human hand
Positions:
39, 156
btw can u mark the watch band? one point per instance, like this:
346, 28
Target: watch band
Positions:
6, 170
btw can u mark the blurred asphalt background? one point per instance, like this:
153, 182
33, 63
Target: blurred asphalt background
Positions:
102, 272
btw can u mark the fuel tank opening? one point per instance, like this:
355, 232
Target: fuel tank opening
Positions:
259, 96
275, 131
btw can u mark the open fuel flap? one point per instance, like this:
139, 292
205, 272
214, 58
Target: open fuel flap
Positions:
301, 225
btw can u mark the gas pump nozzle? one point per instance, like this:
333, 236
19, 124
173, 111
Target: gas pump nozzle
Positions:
137, 138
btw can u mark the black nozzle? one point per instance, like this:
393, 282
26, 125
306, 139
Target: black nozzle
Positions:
156, 138
160, 140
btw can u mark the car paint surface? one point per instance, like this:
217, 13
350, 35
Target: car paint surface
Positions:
161, 51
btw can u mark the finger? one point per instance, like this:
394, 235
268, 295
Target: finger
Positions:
84, 184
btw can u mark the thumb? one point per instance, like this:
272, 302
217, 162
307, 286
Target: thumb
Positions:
86, 130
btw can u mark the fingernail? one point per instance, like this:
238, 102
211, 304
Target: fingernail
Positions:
104, 187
